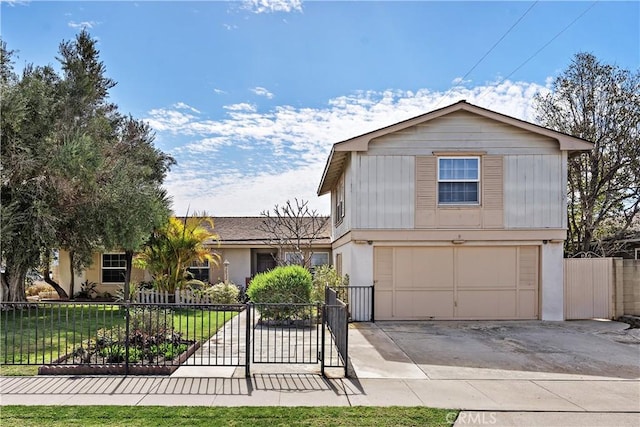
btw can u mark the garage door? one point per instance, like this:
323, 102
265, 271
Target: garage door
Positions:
496, 282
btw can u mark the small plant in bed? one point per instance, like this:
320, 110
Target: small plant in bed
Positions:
152, 339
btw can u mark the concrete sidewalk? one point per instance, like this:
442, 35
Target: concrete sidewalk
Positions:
383, 376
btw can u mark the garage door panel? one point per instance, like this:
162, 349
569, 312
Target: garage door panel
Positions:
423, 304
487, 267
528, 304
384, 304
486, 304
457, 282
383, 266
422, 268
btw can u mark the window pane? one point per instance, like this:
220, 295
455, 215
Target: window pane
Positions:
320, 258
458, 169
458, 192
293, 258
198, 264
446, 166
201, 274
114, 261
113, 275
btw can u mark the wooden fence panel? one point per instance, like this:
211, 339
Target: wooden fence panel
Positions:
589, 288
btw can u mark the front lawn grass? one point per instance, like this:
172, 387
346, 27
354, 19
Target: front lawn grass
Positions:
41, 333
223, 416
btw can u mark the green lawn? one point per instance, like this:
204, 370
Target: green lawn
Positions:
221, 416
36, 336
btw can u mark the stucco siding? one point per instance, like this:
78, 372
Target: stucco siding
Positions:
239, 266
533, 193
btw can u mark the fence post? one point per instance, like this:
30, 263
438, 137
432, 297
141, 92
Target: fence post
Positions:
373, 302
247, 359
346, 340
126, 337
323, 324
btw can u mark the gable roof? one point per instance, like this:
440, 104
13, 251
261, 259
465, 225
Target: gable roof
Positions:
245, 230
337, 157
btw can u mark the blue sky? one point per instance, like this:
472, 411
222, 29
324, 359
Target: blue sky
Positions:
249, 96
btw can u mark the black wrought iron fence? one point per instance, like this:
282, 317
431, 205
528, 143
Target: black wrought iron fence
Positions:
137, 338
127, 337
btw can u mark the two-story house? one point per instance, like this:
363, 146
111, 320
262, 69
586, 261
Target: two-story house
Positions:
460, 213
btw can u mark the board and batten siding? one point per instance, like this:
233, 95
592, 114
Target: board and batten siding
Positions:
383, 194
534, 191
345, 225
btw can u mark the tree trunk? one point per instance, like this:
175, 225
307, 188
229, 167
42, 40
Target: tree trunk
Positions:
47, 278
127, 275
15, 281
72, 282
4, 288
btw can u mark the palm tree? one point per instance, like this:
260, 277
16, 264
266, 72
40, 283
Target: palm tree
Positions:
174, 247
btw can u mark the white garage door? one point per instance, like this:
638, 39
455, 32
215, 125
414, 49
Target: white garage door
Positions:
495, 282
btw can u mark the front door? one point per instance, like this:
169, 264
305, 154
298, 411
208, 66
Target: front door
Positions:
265, 262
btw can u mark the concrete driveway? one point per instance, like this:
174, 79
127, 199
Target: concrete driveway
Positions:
586, 349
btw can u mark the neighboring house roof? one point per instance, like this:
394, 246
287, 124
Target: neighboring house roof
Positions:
337, 157
246, 231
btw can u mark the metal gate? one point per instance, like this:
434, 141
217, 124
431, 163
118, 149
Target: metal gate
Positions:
298, 334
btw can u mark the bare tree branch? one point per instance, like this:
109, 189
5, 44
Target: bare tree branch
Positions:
293, 227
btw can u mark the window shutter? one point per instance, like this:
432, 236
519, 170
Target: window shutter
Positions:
492, 191
426, 191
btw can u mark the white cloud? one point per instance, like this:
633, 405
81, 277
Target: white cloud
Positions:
243, 106
14, 3
230, 26
271, 6
219, 91
459, 81
260, 91
82, 24
183, 106
249, 161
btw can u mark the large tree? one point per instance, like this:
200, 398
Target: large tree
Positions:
27, 120
76, 174
600, 103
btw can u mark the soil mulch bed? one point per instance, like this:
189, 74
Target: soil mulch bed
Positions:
159, 367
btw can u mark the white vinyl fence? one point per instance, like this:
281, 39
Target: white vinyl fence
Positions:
185, 296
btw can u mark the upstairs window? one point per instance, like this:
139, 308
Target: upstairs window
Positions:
340, 208
114, 267
458, 180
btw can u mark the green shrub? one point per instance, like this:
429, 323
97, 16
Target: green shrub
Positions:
323, 276
87, 290
223, 293
195, 284
289, 284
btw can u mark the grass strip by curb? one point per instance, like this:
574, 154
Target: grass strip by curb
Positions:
224, 416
